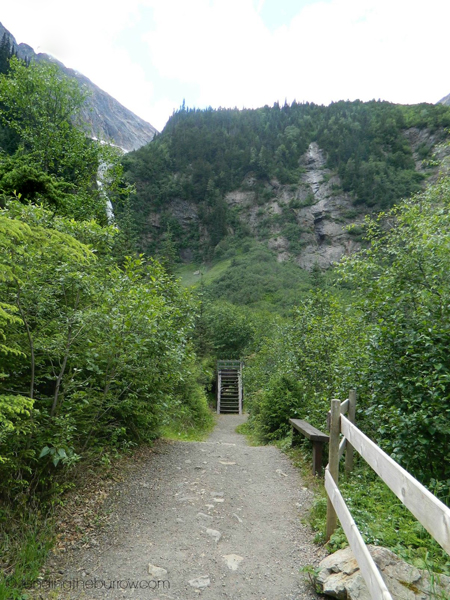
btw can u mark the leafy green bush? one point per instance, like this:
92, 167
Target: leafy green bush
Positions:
225, 330
282, 396
305, 359
404, 293
255, 278
103, 350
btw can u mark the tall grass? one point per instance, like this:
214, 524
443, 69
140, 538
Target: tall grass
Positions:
25, 543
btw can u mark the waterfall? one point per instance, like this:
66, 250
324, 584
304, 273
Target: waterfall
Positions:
101, 174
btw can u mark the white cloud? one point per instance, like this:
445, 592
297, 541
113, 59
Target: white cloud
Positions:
222, 53
343, 49
224, 46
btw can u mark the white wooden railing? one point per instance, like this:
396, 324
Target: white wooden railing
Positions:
428, 510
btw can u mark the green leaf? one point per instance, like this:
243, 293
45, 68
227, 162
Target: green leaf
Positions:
45, 450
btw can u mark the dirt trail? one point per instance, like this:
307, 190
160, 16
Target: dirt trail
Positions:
219, 514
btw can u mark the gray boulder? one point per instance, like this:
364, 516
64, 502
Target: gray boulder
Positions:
340, 577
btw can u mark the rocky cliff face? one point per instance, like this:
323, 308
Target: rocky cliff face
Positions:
306, 222
319, 210
445, 100
105, 117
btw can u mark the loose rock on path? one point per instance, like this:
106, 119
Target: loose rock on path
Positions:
219, 520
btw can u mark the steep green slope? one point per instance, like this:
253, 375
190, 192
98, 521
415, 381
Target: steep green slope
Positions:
253, 278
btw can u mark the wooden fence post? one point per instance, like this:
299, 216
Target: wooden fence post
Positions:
333, 462
349, 452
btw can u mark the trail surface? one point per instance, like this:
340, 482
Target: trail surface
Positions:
221, 517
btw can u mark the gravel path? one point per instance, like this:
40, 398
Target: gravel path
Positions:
221, 517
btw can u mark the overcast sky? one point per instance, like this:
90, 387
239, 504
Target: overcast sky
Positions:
152, 54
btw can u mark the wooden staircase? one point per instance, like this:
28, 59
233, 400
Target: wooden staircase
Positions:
229, 386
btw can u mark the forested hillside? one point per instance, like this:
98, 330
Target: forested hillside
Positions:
217, 178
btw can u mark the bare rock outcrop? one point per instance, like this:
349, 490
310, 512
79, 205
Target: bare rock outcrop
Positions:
328, 239
445, 100
318, 208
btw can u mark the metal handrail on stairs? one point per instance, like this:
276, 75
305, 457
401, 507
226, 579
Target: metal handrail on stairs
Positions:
229, 386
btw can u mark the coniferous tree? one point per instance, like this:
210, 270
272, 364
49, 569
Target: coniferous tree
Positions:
168, 252
9, 139
6, 51
126, 240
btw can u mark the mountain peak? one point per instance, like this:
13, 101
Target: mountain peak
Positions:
104, 116
445, 100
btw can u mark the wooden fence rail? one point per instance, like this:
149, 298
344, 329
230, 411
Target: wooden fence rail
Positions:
369, 571
433, 514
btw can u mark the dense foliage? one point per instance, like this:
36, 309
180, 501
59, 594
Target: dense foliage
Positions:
53, 162
386, 333
203, 154
8, 138
95, 340
94, 354
94, 343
